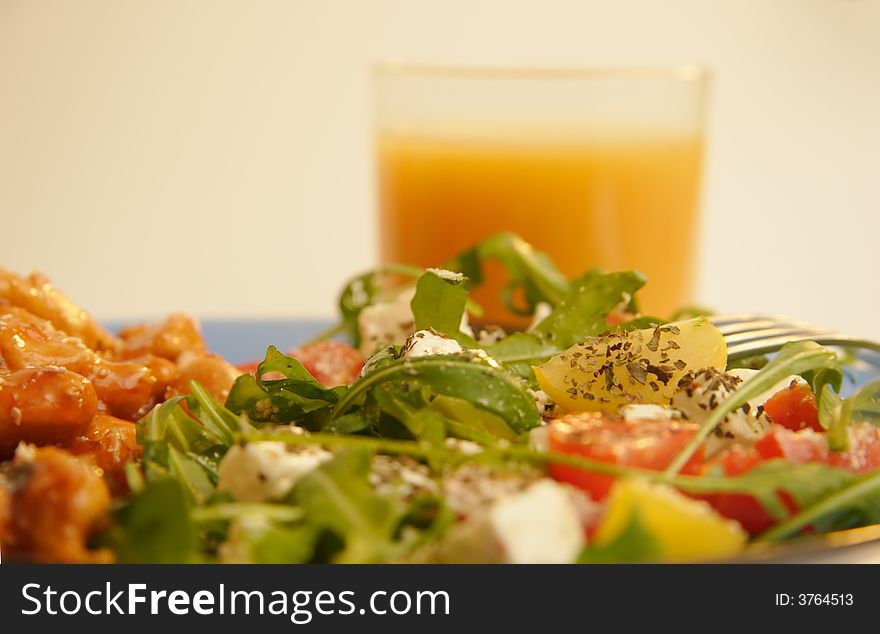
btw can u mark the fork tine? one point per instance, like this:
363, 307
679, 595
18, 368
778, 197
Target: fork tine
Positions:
745, 326
772, 344
772, 333
751, 334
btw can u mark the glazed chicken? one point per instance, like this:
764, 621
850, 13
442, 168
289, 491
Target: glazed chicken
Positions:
50, 505
70, 393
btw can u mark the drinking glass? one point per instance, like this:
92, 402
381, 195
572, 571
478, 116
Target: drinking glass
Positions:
596, 167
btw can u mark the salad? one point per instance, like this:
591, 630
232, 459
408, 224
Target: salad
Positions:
412, 433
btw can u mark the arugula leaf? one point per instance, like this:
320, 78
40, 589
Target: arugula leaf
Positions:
519, 351
423, 423
634, 543
472, 376
857, 502
466, 420
529, 270
582, 312
290, 398
439, 303
178, 446
154, 527
338, 497
837, 413
217, 419
579, 315
793, 358
265, 541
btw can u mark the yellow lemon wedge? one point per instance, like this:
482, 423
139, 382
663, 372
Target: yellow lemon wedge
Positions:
684, 528
636, 366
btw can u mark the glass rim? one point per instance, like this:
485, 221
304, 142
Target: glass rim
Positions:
679, 72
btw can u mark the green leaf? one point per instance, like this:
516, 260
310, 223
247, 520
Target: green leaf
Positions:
190, 472
793, 358
439, 304
169, 423
472, 376
351, 423
283, 400
381, 358
424, 424
520, 351
154, 526
215, 417
528, 270
634, 543
178, 446
836, 413
855, 503
466, 420
582, 312
338, 497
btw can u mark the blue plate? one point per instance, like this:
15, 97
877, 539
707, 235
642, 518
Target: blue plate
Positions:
239, 341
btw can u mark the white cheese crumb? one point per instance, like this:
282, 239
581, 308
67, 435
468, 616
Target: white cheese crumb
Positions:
639, 411
467, 447
538, 525
543, 402
427, 342
539, 438
263, 471
451, 276
704, 394
386, 323
490, 335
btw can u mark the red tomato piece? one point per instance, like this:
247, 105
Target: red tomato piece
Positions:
793, 446
794, 408
862, 455
331, 362
645, 444
736, 506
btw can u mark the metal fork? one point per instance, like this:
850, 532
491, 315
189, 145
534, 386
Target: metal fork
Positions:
749, 334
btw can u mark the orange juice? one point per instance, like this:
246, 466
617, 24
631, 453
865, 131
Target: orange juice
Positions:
624, 202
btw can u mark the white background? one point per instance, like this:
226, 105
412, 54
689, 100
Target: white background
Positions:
215, 156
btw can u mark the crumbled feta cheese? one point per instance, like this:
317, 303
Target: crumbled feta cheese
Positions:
386, 323
705, 391
262, 471
490, 335
538, 525
451, 276
427, 342
542, 311
472, 488
467, 447
546, 406
400, 477
638, 411
539, 438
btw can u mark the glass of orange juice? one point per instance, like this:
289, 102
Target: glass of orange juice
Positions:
595, 167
